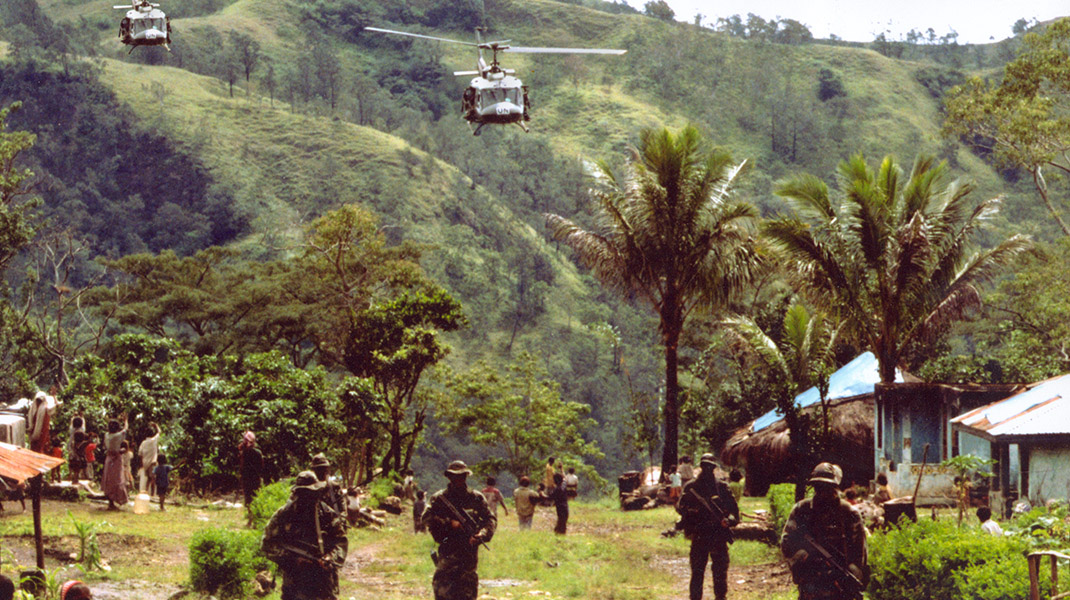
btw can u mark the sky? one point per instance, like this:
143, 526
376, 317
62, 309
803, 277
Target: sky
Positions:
976, 21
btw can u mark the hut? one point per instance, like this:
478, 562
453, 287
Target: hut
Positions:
24, 465
762, 447
1028, 435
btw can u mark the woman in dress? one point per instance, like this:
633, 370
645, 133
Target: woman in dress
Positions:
113, 484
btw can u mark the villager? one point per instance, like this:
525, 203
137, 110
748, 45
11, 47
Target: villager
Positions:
548, 477
91, 457
57, 452
360, 516
113, 481
459, 521
418, 508
408, 486
735, 483
984, 514
13, 491
77, 426
675, 485
307, 540
560, 499
525, 500
686, 470
76, 464
572, 483
75, 590
494, 497
161, 473
708, 512
883, 494
127, 456
331, 495
250, 465
7, 588
825, 543
38, 422
148, 450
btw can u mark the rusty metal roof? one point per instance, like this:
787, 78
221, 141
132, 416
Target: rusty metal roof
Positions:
21, 464
1043, 409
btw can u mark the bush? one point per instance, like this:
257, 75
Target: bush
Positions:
267, 500
222, 562
1005, 578
781, 497
938, 560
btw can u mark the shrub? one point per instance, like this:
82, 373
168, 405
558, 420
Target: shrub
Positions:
938, 559
781, 497
222, 562
1005, 578
267, 500
380, 488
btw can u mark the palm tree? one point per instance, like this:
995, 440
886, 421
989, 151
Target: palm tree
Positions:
892, 257
800, 360
668, 233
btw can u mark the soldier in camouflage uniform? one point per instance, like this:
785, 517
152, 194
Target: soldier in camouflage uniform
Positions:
825, 522
708, 509
331, 495
307, 539
458, 536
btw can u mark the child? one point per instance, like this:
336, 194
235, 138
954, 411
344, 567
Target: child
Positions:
418, 513
494, 497
127, 455
76, 465
75, 590
91, 458
57, 452
161, 472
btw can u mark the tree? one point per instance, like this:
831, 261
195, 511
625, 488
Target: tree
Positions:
801, 359
1024, 120
247, 51
659, 9
670, 234
890, 258
519, 416
16, 202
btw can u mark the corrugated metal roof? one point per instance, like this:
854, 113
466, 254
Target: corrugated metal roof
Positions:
21, 464
858, 377
1043, 409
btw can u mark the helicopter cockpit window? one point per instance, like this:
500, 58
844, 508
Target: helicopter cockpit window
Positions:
495, 95
147, 24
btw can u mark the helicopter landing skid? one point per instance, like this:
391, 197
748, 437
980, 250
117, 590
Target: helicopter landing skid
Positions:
478, 127
523, 126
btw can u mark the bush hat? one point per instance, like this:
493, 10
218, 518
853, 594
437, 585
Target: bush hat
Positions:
458, 467
307, 480
707, 459
826, 473
320, 460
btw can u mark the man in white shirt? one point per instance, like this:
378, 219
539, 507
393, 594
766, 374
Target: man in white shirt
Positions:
148, 450
987, 524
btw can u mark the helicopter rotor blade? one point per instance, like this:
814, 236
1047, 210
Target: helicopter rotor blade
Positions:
540, 50
466, 73
417, 35
127, 6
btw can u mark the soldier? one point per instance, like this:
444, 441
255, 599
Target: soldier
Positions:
307, 539
459, 521
708, 510
331, 495
825, 543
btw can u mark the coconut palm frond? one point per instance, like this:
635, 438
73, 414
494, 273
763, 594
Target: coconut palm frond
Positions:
925, 332
887, 182
808, 195
985, 265
758, 342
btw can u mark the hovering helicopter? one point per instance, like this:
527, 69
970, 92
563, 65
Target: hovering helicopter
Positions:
495, 95
144, 25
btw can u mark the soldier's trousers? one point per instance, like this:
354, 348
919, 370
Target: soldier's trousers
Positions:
455, 577
716, 552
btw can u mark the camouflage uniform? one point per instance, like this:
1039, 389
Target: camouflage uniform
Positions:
331, 495
838, 528
455, 566
709, 537
294, 527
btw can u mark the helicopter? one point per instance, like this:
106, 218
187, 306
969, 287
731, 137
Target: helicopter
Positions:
495, 95
144, 25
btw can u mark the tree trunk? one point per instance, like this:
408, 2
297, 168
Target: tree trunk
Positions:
1042, 187
672, 409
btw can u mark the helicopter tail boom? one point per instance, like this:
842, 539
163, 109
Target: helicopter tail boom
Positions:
542, 50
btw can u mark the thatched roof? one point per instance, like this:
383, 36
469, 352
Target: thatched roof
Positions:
766, 454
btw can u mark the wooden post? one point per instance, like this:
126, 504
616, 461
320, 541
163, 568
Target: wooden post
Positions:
1034, 576
35, 492
1054, 576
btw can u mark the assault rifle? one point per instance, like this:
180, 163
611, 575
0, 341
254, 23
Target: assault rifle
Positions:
710, 506
846, 581
296, 550
467, 522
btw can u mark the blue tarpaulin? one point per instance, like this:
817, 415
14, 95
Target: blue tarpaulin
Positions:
857, 377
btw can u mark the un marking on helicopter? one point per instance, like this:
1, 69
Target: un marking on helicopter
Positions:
144, 25
495, 95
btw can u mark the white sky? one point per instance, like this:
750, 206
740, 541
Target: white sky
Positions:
976, 21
